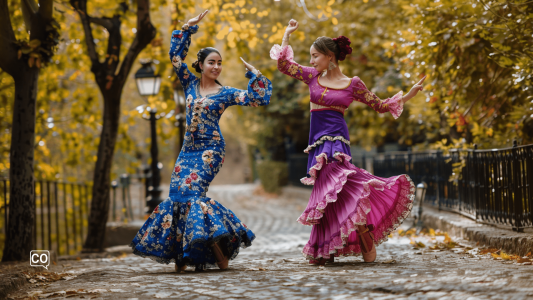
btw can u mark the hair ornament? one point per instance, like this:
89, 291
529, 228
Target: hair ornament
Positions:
344, 46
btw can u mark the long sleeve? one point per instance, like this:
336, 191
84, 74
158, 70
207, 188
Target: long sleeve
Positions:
288, 66
394, 104
179, 46
258, 93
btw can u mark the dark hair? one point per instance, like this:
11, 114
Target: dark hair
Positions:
340, 46
200, 58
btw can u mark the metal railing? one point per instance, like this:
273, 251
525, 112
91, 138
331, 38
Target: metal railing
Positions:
62, 212
492, 186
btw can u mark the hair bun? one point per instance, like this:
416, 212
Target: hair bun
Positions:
344, 46
196, 66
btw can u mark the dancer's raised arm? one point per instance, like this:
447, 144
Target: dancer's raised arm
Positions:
259, 89
394, 104
284, 55
179, 47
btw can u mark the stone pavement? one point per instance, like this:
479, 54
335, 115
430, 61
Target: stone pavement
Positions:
501, 237
273, 267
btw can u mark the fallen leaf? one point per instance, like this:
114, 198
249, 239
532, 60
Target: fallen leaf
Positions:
451, 244
505, 256
390, 261
488, 250
523, 260
447, 238
420, 244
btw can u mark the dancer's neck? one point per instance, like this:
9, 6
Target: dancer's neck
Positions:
334, 74
207, 83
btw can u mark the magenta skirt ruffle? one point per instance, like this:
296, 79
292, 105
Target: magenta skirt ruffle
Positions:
344, 196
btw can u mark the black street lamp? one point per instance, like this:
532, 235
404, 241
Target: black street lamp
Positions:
148, 84
421, 189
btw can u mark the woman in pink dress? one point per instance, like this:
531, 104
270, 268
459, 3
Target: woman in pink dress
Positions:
351, 210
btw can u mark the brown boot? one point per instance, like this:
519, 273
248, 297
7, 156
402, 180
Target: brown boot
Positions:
222, 261
366, 241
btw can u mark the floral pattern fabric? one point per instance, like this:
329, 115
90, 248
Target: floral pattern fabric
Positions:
182, 228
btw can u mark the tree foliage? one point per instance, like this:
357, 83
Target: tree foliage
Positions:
477, 55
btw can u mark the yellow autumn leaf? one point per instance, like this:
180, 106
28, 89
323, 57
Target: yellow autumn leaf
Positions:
447, 238
505, 256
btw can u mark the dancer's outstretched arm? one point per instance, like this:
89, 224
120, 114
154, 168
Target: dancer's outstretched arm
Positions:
284, 55
179, 47
259, 89
394, 104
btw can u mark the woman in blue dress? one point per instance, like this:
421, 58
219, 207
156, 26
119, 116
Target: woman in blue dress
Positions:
189, 228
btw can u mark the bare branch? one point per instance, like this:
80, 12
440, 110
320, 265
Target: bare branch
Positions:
8, 54
46, 9
113, 46
81, 8
29, 9
146, 32
104, 22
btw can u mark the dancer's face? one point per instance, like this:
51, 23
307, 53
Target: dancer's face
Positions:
318, 60
212, 66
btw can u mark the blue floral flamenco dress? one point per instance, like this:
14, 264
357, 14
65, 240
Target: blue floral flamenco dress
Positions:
184, 226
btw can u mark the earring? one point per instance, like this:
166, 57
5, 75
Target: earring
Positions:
331, 66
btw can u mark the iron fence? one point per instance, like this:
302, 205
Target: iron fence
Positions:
492, 186
62, 212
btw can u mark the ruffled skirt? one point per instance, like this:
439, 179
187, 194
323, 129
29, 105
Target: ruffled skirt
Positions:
182, 233
345, 196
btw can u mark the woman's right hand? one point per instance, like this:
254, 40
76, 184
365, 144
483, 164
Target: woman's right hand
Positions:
197, 19
293, 25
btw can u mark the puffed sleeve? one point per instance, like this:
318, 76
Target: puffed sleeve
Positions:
258, 93
179, 46
394, 104
288, 66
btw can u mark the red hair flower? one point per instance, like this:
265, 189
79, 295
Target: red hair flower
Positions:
344, 46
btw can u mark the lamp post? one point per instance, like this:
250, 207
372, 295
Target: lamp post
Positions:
148, 84
420, 197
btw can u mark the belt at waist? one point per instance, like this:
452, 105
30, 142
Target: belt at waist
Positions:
338, 108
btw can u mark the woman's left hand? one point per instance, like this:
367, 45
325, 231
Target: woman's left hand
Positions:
197, 19
248, 66
414, 90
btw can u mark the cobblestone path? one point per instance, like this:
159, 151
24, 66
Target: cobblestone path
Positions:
273, 267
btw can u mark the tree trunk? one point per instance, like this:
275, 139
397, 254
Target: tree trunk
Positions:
22, 189
102, 175
110, 82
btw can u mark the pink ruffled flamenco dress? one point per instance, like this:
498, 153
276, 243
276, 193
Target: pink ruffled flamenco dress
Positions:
343, 195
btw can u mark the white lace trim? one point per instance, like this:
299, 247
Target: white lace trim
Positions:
321, 140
